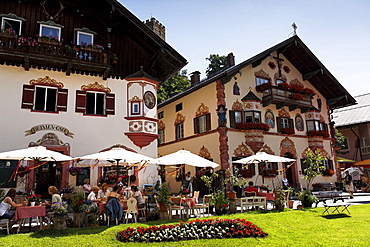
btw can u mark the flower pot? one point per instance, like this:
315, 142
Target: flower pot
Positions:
307, 204
290, 203
231, 195
280, 207
32, 204
80, 219
162, 207
60, 222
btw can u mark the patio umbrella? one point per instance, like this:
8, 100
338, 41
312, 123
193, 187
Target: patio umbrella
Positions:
353, 171
39, 153
119, 155
263, 157
185, 157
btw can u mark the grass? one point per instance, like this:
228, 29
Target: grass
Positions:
289, 228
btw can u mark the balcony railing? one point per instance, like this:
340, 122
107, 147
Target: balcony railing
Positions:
54, 56
282, 97
365, 150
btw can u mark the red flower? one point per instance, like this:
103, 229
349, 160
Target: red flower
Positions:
224, 205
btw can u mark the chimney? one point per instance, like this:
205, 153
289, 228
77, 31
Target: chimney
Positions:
195, 77
230, 60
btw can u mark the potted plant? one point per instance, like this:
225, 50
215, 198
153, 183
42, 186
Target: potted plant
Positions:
163, 195
74, 170
234, 180
290, 201
220, 202
59, 215
280, 199
80, 207
33, 199
307, 198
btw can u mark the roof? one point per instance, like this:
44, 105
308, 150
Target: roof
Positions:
355, 114
251, 96
302, 59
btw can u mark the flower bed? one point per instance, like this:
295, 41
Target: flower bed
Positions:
195, 229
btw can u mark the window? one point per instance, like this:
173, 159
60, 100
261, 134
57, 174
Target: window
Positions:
8, 23
268, 169
160, 136
202, 124
345, 144
84, 38
95, 103
6, 169
245, 171
252, 117
260, 81
45, 99
178, 107
316, 125
179, 131
236, 117
160, 115
304, 166
50, 31
135, 108
284, 123
328, 164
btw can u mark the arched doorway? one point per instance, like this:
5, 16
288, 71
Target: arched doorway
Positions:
51, 173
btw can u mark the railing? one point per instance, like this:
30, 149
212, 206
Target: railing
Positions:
275, 95
365, 150
45, 51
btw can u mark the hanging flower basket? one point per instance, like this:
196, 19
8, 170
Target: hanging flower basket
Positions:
74, 170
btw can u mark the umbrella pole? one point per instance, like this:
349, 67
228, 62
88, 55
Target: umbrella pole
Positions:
117, 168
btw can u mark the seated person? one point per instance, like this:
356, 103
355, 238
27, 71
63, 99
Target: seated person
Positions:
138, 196
54, 196
251, 188
7, 203
93, 196
103, 193
114, 193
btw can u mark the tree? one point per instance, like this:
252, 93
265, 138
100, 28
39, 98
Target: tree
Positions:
216, 63
172, 86
315, 160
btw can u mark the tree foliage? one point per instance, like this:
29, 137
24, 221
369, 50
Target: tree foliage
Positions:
315, 160
172, 86
216, 63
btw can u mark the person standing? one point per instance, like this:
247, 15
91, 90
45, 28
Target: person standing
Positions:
349, 184
87, 187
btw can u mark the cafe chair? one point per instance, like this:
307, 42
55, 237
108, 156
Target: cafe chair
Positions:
131, 209
5, 223
142, 211
204, 205
177, 205
196, 196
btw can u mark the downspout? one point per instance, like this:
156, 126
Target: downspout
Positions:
358, 142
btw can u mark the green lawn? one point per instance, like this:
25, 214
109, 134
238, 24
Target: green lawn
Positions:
289, 228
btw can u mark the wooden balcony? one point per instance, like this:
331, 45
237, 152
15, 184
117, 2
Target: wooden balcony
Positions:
282, 98
54, 56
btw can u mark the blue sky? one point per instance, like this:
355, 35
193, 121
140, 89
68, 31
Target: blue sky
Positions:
336, 31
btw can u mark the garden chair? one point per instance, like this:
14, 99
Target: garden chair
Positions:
113, 210
131, 209
142, 211
204, 205
5, 223
177, 205
196, 196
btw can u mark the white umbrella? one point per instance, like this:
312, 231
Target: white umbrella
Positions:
116, 154
39, 153
353, 171
263, 157
185, 157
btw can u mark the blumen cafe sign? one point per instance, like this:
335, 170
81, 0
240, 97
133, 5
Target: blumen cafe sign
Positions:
55, 127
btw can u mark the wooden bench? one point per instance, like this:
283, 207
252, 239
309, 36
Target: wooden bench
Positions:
323, 196
252, 201
336, 207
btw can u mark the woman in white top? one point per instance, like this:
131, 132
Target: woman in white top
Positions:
103, 193
7, 203
93, 196
138, 196
87, 187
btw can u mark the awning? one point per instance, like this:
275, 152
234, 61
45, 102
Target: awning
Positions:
363, 163
344, 160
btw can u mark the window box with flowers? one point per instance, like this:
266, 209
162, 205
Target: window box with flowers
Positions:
328, 172
246, 173
9, 32
92, 47
29, 41
295, 88
296, 96
263, 87
253, 126
74, 170
269, 173
50, 40
308, 91
288, 131
283, 86
322, 133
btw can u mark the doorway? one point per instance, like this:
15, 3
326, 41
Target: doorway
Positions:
289, 172
47, 175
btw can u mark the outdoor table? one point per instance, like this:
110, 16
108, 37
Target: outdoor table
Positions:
269, 196
336, 208
102, 206
22, 213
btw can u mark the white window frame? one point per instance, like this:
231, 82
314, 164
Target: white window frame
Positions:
7, 18
52, 27
45, 98
284, 123
161, 136
179, 131
104, 103
84, 33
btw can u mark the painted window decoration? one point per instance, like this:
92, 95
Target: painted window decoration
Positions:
270, 119
299, 124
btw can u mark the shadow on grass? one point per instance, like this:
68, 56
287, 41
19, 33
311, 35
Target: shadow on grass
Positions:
335, 216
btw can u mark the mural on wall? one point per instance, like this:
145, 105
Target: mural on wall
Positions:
202, 110
287, 146
270, 118
204, 153
236, 89
299, 124
221, 113
267, 149
237, 106
243, 151
179, 119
